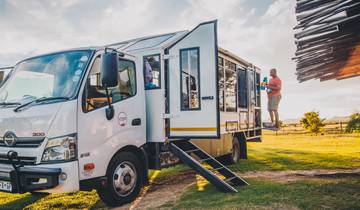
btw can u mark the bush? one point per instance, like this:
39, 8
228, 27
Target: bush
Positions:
312, 122
354, 123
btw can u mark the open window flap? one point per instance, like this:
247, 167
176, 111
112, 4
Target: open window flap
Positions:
193, 84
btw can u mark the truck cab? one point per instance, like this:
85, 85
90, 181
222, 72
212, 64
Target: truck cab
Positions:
53, 123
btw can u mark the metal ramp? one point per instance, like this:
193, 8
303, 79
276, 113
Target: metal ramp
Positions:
183, 149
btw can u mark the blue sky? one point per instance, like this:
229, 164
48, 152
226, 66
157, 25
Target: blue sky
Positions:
257, 30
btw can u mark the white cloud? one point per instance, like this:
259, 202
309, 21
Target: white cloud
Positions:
264, 38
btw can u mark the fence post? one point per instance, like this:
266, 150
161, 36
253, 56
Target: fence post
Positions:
341, 127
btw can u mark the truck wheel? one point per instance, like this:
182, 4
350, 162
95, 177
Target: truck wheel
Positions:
234, 156
124, 180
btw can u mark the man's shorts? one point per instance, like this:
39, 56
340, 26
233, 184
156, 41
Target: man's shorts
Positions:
273, 103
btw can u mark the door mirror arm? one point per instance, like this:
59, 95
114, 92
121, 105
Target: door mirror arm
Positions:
109, 112
109, 77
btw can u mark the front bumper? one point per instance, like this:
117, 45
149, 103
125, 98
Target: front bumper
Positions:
40, 178
28, 179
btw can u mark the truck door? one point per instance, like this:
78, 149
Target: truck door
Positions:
193, 85
100, 138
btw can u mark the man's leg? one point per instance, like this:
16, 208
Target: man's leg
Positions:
271, 116
276, 113
270, 109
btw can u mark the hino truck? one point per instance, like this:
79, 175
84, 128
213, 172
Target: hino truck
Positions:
102, 117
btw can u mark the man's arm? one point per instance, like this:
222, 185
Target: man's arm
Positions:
274, 87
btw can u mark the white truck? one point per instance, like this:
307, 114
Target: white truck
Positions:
101, 117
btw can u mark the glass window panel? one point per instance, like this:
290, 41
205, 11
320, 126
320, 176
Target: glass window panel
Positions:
242, 89
227, 64
53, 75
190, 89
230, 101
95, 94
152, 72
221, 100
151, 42
233, 66
230, 90
221, 78
230, 65
252, 87
221, 87
221, 61
230, 83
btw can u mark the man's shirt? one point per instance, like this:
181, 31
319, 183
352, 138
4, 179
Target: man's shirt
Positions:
275, 82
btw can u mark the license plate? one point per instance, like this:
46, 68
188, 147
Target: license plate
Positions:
5, 186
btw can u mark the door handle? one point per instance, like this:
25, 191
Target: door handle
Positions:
207, 98
136, 122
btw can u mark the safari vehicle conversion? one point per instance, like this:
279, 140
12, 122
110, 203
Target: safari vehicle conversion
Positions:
101, 117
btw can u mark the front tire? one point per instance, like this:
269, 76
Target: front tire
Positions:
124, 180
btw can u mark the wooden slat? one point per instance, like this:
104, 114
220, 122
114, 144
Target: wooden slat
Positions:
322, 52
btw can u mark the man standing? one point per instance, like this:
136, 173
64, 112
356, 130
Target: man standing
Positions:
274, 96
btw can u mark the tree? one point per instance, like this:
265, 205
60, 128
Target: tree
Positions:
312, 122
354, 123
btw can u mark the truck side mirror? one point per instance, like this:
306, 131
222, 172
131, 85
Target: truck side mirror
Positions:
109, 77
109, 69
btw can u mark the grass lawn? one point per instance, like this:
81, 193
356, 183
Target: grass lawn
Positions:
290, 152
261, 194
302, 152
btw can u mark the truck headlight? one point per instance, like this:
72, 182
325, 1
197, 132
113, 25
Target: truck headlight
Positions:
60, 149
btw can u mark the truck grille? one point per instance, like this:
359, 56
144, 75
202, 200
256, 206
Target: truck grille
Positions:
25, 142
23, 160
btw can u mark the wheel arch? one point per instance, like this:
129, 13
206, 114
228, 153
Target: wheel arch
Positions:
243, 144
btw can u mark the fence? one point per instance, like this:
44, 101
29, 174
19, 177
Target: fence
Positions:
296, 128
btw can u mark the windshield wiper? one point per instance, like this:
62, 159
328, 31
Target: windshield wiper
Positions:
9, 103
39, 100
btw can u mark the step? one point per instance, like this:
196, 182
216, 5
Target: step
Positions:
192, 150
205, 160
209, 174
217, 169
230, 179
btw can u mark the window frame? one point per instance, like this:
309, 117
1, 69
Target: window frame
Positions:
156, 54
84, 95
182, 108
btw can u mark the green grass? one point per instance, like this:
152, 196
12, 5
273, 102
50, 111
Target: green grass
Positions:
290, 152
78, 200
302, 152
262, 194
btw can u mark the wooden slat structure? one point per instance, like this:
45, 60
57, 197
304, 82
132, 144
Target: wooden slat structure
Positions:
328, 39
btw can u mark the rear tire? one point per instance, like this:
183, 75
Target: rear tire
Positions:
234, 156
124, 180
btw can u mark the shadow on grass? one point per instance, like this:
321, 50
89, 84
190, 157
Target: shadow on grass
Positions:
99, 206
23, 202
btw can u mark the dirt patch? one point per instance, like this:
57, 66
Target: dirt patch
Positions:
166, 189
291, 176
162, 191
277, 206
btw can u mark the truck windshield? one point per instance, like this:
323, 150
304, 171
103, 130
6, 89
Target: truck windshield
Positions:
54, 75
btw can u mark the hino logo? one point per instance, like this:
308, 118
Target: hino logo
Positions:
10, 139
